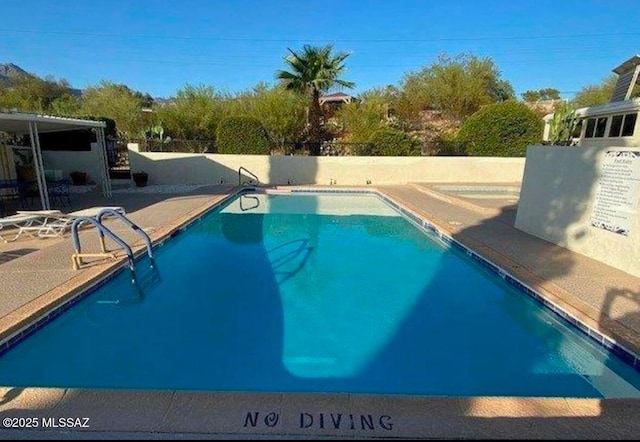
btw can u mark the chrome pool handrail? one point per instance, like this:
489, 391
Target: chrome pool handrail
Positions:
127, 221
76, 258
247, 172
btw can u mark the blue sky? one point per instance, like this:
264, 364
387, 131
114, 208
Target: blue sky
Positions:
158, 46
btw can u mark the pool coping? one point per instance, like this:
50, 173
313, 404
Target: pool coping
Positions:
420, 416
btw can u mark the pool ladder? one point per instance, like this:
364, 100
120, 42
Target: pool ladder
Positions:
253, 179
103, 231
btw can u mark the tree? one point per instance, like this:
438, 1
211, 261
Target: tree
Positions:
115, 101
360, 119
29, 93
595, 94
314, 70
500, 129
65, 106
193, 114
531, 96
456, 86
281, 111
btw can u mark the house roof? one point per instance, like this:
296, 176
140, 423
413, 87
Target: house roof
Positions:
609, 108
337, 96
18, 123
628, 65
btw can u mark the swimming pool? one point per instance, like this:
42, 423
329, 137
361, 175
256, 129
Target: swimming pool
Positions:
315, 293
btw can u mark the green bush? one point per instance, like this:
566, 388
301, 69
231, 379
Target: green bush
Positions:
500, 130
242, 135
391, 142
447, 145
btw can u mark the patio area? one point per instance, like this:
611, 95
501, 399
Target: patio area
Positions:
36, 273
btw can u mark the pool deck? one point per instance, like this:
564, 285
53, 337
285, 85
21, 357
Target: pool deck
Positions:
36, 275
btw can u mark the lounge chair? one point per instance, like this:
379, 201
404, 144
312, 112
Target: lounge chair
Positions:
26, 222
56, 224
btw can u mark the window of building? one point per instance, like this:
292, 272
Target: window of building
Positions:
601, 125
591, 125
616, 126
629, 124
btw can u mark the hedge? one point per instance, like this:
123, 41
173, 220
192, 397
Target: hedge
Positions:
391, 142
242, 135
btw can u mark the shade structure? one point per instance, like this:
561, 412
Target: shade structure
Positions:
33, 124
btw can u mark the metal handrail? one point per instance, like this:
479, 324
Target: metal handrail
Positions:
248, 172
103, 231
127, 221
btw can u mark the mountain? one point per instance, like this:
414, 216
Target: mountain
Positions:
10, 71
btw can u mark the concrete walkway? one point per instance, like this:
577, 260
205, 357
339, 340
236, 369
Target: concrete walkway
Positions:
36, 270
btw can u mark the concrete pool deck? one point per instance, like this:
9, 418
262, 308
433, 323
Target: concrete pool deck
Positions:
36, 273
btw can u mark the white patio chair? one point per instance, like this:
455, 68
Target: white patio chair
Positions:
58, 223
23, 222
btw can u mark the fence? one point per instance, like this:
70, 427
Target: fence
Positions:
177, 145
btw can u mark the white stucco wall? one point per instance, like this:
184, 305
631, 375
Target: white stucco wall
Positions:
179, 168
556, 203
87, 161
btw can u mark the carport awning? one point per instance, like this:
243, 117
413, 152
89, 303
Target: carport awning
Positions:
33, 124
18, 123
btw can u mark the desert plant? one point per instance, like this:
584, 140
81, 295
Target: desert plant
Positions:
500, 129
117, 102
457, 86
193, 114
562, 125
281, 111
360, 120
242, 135
391, 142
314, 70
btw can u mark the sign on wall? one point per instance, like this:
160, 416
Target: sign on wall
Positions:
616, 200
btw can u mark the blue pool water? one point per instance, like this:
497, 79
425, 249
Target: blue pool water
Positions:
310, 293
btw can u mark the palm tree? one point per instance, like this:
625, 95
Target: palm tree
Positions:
314, 70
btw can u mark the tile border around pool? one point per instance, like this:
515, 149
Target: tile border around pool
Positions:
176, 228
609, 344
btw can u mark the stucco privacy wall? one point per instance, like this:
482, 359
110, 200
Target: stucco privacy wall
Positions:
556, 203
183, 168
67, 162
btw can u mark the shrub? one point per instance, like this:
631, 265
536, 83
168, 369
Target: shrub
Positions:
362, 119
391, 142
242, 135
501, 129
447, 145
